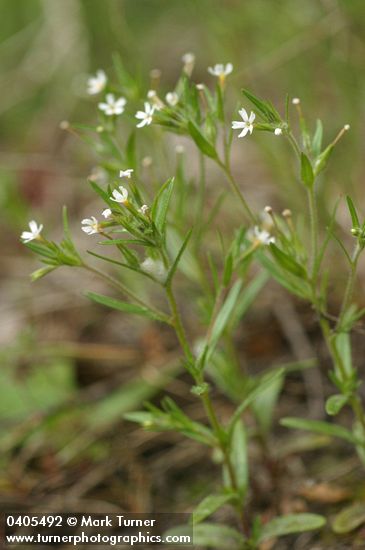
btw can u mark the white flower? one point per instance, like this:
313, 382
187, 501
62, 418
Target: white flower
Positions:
126, 173
278, 131
295, 101
220, 70
91, 225
120, 196
96, 84
266, 221
172, 98
35, 231
113, 106
144, 209
246, 124
260, 236
188, 58
146, 115
151, 94
106, 213
154, 268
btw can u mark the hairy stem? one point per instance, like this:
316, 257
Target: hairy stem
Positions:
207, 402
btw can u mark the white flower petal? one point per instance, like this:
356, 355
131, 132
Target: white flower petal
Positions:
244, 132
252, 117
238, 124
244, 114
106, 213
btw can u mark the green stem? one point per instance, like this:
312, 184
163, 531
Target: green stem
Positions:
208, 405
349, 286
355, 402
313, 216
293, 143
178, 326
226, 169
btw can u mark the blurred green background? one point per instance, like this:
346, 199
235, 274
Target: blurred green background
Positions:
313, 49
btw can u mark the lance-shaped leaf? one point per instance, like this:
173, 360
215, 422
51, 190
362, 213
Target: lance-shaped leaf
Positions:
322, 160
222, 318
175, 264
292, 523
267, 110
335, 403
160, 205
201, 141
317, 139
292, 283
209, 505
353, 213
349, 518
306, 171
125, 306
287, 262
239, 457
320, 427
261, 384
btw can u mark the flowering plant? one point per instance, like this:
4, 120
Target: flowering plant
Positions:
167, 238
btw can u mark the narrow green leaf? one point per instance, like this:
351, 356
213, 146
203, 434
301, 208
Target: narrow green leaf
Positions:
66, 228
188, 263
141, 242
323, 248
264, 404
335, 403
317, 139
297, 286
121, 264
239, 457
99, 191
124, 306
175, 264
263, 382
342, 343
201, 141
228, 269
125, 80
161, 204
341, 245
292, 523
318, 426
349, 518
223, 317
248, 296
209, 505
265, 108
306, 171
287, 262
353, 213
322, 160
